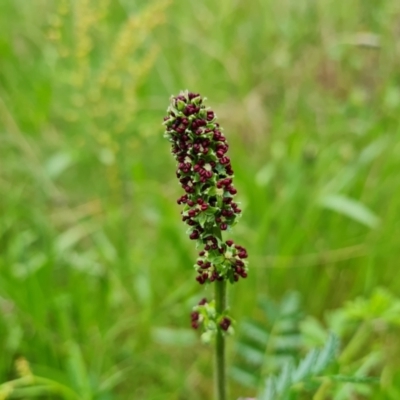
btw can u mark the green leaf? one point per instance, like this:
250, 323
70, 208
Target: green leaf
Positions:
270, 392
57, 164
305, 367
255, 332
326, 355
311, 366
174, 337
77, 370
250, 353
350, 208
202, 219
242, 376
284, 379
355, 379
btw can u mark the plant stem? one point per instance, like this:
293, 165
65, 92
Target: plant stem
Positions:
220, 372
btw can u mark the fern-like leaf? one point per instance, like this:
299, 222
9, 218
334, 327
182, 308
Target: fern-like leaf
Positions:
311, 366
266, 346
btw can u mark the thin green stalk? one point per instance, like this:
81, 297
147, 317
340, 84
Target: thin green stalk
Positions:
220, 370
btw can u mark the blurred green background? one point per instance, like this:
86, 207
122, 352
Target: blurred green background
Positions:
96, 277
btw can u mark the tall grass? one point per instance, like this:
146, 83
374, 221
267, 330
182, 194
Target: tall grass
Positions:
95, 269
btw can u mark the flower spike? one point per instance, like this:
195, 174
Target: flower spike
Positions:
206, 175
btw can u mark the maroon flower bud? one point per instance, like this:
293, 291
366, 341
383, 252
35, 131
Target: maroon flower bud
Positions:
229, 242
225, 323
202, 301
239, 263
192, 95
194, 235
223, 227
195, 325
232, 190
194, 316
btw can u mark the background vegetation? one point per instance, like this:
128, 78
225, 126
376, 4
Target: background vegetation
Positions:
96, 277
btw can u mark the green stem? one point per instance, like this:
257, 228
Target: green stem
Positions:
220, 371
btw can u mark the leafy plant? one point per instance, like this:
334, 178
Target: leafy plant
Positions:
310, 369
326, 369
264, 346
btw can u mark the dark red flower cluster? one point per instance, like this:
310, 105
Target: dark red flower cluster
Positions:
195, 315
228, 262
205, 173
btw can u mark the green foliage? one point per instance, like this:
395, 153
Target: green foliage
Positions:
365, 365
93, 255
310, 368
265, 347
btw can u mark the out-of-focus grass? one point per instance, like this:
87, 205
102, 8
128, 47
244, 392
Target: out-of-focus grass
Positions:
96, 281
